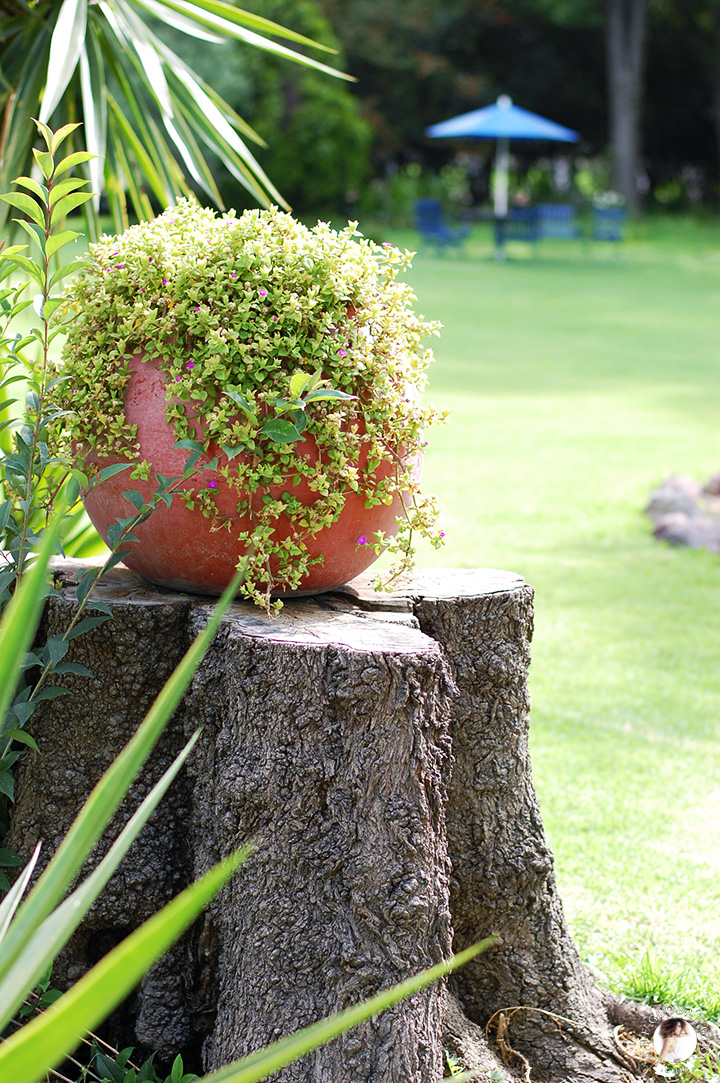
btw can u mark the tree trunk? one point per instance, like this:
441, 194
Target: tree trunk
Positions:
626, 32
376, 748
715, 24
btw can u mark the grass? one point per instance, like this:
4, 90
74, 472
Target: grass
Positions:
579, 379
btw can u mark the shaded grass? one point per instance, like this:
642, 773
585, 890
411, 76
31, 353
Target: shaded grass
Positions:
579, 379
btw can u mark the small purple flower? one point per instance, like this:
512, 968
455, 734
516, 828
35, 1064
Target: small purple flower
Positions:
387, 244
119, 266
197, 308
143, 290
362, 540
177, 379
275, 318
341, 353
191, 364
262, 293
212, 485
164, 281
233, 274
114, 253
75, 390
442, 533
150, 259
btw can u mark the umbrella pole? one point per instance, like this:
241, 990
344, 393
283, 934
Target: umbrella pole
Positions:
500, 191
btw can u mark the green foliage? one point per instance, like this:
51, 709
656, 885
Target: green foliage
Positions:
267, 331
704, 1068
318, 140
391, 199
119, 1069
144, 111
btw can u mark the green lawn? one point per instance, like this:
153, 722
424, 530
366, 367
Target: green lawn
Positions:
579, 378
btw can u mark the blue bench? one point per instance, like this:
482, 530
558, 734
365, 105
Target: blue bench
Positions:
607, 223
557, 220
434, 230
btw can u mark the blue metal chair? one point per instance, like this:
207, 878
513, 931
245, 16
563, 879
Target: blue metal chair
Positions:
607, 223
434, 230
521, 224
557, 221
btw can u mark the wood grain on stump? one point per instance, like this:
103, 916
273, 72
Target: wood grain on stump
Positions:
375, 747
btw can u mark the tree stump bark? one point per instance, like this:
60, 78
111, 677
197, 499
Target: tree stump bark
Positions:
375, 746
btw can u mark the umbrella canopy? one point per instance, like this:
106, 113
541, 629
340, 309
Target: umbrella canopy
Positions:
503, 121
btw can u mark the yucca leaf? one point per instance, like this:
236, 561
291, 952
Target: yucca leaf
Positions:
107, 795
52, 936
44, 1042
93, 90
206, 13
65, 47
247, 18
10, 903
141, 42
180, 22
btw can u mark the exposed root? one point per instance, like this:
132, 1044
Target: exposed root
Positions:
507, 1053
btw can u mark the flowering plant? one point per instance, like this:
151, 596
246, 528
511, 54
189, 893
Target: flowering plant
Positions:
271, 336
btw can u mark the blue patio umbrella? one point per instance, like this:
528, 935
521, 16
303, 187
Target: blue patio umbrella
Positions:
502, 121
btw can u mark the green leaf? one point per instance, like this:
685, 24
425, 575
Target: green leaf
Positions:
34, 187
27, 205
61, 135
23, 738
298, 383
136, 499
67, 204
44, 1042
281, 432
28, 266
71, 184
327, 393
45, 161
72, 160
59, 240
9, 859
68, 269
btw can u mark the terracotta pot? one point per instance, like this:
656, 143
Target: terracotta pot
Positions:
182, 548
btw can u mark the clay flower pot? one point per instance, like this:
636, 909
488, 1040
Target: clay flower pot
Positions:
289, 360
181, 548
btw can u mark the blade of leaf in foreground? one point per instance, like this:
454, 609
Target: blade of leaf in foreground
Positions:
247, 18
258, 1065
65, 46
206, 14
23, 613
12, 900
108, 794
43, 1043
52, 936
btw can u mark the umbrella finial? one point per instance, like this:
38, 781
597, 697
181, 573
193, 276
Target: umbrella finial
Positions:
504, 101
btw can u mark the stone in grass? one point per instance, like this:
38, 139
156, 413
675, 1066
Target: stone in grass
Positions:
675, 495
697, 531
687, 513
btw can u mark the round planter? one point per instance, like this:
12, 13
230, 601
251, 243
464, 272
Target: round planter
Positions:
186, 550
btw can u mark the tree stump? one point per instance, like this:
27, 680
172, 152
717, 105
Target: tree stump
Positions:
375, 747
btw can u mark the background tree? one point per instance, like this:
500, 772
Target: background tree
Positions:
316, 141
